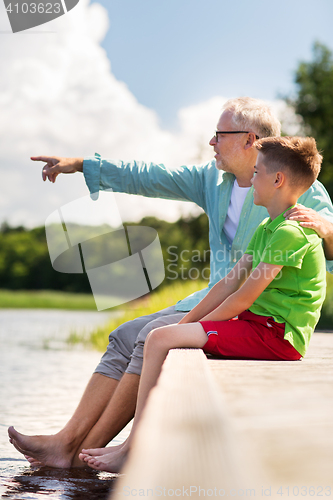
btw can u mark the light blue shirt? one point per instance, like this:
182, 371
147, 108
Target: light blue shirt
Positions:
207, 187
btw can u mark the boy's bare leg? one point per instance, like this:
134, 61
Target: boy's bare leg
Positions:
58, 450
157, 346
116, 415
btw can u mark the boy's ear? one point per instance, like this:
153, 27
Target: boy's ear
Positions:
280, 179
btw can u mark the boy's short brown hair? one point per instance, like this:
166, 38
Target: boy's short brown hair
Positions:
298, 155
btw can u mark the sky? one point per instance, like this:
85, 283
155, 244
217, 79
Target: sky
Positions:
139, 80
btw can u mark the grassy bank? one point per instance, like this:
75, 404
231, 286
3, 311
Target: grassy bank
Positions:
156, 301
45, 299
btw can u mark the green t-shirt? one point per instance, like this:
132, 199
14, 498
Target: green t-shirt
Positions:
297, 293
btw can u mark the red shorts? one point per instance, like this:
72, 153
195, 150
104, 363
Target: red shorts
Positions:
248, 337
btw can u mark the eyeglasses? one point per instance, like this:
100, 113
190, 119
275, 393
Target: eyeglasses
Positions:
231, 132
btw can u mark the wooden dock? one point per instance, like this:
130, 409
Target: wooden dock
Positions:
234, 428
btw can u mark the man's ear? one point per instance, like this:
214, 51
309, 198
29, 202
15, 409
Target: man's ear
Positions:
280, 179
251, 139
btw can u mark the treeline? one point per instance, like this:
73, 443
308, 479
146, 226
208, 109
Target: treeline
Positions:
25, 263
313, 102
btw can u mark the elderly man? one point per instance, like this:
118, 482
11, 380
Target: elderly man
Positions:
223, 189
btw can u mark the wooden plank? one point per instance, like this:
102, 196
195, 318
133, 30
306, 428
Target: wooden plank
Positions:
184, 444
282, 411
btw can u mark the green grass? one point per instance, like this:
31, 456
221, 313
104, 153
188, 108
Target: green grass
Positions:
156, 301
46, 299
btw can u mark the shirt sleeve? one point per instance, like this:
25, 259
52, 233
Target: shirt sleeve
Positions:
317, 198
187, 183
287, 247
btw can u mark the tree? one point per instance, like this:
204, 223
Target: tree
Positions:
314, 102
25, 262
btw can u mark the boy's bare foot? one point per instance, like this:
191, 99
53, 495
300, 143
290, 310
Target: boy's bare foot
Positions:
33, 462
42, 450
97, 452
108, 462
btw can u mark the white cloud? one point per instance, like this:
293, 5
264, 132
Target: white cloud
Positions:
58, 96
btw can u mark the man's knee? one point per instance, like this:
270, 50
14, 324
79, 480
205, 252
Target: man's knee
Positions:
135, 364
156, 324
128, 339
127, 332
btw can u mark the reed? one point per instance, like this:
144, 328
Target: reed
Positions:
151, 303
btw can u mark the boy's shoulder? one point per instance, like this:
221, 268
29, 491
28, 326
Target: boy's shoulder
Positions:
286, 243
285, 235
279, 224
292, 229
281, 233
288, 227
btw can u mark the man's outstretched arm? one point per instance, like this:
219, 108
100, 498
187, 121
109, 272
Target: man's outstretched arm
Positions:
185, 183
56, 165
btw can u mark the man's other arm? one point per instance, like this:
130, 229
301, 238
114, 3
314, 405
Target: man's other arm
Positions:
308, 217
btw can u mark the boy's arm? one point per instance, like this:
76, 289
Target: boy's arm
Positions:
223, 289
244, 297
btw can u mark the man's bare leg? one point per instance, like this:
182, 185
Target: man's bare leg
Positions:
116, 415
157, 346
58, 450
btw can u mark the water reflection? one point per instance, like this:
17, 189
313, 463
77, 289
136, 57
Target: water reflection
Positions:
66, 484
40, 387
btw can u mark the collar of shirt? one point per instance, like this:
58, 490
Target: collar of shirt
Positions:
271, 225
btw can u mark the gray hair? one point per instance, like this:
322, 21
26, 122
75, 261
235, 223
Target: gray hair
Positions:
253, 115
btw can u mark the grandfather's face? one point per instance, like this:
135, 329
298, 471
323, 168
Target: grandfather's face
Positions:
227, 148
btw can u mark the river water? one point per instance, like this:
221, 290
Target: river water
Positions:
41, 382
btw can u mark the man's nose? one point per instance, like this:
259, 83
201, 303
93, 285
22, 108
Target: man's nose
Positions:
212, 142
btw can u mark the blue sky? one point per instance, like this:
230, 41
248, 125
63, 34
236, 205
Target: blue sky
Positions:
173, 53
139, 80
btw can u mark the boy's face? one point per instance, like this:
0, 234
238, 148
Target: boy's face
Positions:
263, 183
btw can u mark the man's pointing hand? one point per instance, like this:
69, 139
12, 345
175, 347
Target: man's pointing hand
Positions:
56, 165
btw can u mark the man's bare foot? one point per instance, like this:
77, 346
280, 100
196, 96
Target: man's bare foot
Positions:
108, 462
45, 450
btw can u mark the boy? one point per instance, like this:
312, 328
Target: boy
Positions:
276, 289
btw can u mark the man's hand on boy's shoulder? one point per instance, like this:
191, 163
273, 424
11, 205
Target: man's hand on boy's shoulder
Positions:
308, 217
